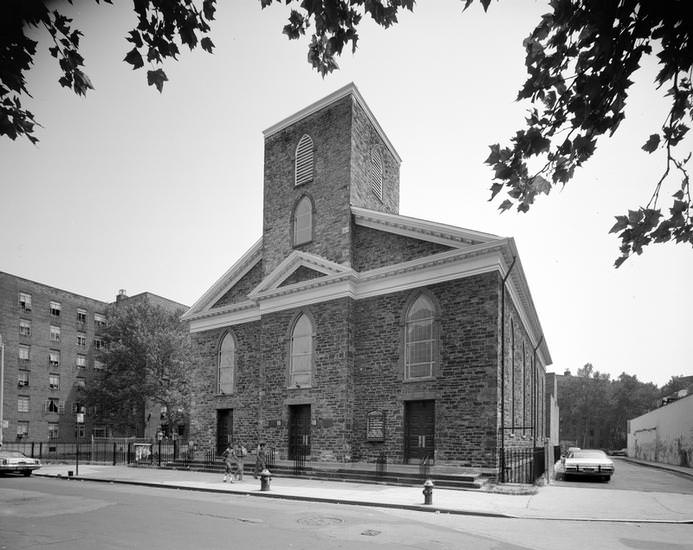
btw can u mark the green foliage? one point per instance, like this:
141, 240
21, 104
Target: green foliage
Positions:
148, 358
580, 60
594, 410
162, 25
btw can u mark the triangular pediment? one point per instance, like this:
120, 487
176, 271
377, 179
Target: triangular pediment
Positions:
297, 268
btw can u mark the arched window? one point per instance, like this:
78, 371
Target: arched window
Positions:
226, 364
303, 222
304, 160
301, 364
375, 174
420, 339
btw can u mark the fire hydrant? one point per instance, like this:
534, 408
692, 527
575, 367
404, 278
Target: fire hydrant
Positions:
265, 478
428, 492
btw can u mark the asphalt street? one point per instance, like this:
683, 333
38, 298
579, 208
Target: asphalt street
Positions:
634, 477
56, 514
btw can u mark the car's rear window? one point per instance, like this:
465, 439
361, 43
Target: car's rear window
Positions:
587, 454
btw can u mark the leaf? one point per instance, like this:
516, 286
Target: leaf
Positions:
157, 78
207, 44
505, 205
620, 225
651, 144
134, 58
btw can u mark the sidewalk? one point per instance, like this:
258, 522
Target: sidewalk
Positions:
549, 502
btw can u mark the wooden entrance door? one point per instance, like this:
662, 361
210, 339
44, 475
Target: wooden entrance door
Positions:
224, 429
299, 431
419, 430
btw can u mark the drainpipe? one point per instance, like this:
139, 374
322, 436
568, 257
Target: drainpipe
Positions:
534, 392
502, 442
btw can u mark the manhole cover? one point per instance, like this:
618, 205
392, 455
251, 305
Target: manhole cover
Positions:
320, 521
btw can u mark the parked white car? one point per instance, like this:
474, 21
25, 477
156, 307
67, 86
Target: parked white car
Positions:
16, 462
586, 462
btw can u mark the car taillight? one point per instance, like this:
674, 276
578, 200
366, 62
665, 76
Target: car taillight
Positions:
4, 461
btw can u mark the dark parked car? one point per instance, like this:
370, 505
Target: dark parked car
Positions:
16, 462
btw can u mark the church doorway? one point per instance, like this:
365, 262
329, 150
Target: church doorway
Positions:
224, 429
299, 431
419, 431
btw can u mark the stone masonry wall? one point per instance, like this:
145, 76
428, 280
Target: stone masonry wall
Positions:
244, 400
330, 130
465, 387
365, 139
240, 290
373, 248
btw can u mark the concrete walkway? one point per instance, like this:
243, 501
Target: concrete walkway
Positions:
547, 502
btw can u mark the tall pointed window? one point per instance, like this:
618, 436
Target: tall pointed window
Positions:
226, 364
303, 222
304, 160
420, 339
375, 174
301, 364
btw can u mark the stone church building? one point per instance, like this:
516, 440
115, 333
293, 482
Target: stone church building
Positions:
348, 330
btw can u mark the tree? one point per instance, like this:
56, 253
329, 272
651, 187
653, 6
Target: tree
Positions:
163, 26
148, 358
580, 59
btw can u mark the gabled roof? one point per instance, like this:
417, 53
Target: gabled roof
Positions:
416, 228
472, 253
226, 281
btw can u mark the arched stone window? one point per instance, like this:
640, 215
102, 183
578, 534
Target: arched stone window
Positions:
420, 339
304, 160
303, 222
226, 364
301, 361
375, 174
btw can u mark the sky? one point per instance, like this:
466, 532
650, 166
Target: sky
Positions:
136, 190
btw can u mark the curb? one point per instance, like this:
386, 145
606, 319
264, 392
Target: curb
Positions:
411, 507
660, 466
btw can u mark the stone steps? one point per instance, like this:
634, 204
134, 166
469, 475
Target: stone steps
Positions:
398, 475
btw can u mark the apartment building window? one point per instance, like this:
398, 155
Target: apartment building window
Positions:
22, 430
24, 352
53, 405
80, 383
98, 431
25, 301
99, 320
54, 381
55, 334
81, 361
81, 316
55, 309
79, 430
81, 340
99, 343
98, 365
23, 404
24, 327
53, 431
54, 358
78, 407
22, 378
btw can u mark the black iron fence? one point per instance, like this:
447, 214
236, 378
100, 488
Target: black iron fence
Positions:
299, 455
425, 467
101, 451
381, 465
522, 464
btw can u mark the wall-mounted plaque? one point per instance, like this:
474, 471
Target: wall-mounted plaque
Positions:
375, 426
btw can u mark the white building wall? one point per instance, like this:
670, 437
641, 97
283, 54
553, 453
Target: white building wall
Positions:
664, 435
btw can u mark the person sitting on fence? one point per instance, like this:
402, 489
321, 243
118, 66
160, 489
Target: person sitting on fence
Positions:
229, 455
260, 459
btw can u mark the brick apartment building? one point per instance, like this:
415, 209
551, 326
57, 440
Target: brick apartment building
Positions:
51, 337
348, 330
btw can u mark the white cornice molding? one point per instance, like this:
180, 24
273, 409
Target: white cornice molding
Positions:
416, 228
349, 89
226, 281
459, 263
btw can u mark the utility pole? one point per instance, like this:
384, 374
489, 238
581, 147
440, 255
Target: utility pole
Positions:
2, 389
